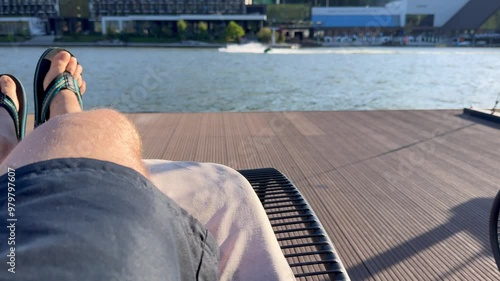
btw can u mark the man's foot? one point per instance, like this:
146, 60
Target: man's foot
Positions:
65, 101
8, 136
8, 87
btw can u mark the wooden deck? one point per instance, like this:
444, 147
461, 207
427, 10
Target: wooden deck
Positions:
404, 195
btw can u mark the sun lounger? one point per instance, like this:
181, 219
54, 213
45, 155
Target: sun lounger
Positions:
301, 236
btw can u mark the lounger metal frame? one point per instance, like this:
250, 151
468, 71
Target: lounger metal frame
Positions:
302, 238
495, 229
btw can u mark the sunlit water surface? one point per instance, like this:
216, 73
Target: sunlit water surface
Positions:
246, 79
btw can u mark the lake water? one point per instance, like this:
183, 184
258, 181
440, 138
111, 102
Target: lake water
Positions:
207, 80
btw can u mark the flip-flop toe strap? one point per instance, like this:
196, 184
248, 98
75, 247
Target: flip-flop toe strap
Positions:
7, 103
63, 81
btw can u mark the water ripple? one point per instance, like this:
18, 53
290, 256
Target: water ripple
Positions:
172, 80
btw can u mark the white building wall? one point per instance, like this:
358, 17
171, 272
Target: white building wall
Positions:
357, 11
442, 10
396, 8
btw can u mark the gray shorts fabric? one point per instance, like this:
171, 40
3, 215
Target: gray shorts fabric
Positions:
85, 219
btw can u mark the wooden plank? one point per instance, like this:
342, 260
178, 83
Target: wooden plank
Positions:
305, 126
156, 130
398, 219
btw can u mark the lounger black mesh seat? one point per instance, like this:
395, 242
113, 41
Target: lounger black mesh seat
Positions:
495, 229
304, 242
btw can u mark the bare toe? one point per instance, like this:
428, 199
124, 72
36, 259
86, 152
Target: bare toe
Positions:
83, 87
78, 70
78, 76
58, 65
72, 65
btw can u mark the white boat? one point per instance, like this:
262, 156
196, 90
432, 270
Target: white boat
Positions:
256, 48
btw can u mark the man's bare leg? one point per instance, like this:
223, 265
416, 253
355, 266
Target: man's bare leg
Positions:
99, 134
90, 214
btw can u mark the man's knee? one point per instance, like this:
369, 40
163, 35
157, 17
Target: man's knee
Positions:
110, 117
118, 125
100, 127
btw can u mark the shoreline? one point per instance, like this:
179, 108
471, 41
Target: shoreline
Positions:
105, 44
204, 45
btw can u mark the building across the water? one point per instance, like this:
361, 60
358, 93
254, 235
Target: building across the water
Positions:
101, 8
80, 16
51, 16
415, 14
33, 17
402, 22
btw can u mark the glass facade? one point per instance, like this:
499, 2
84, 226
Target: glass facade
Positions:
346, 21
97, 8
288, 13
38, 8
493, 23
263, 2
100, 8
419, 20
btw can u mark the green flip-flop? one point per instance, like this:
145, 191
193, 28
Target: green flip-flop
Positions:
64, 80
19, 117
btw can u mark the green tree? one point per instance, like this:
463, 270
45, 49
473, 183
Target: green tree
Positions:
233, 31
166, 30
25, 32
110, 33
202, 31
155, 30
281, 38
265, 35
181, 29
202, 26
124, 37
11, 37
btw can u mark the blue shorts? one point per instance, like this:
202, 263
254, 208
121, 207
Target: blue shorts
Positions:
85, 219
